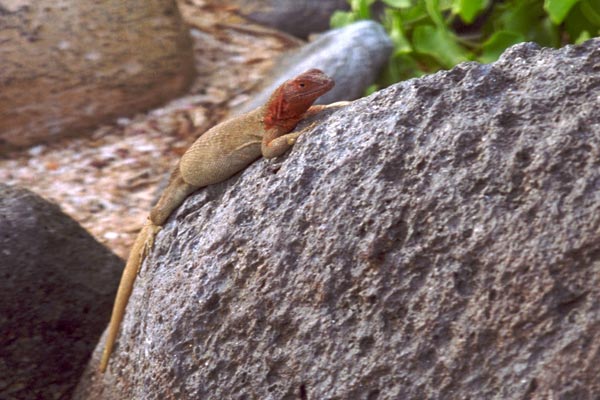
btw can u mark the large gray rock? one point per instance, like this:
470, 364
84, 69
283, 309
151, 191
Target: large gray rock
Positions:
352, 56
69, 65
438, 239
56, 290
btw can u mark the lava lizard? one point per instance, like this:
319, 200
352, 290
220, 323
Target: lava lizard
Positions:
218, 154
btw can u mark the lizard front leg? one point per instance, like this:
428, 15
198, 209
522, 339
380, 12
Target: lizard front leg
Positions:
313, 110
279, 145
274, 144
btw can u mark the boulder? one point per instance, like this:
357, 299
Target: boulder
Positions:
70, 65
56, 294
437, 239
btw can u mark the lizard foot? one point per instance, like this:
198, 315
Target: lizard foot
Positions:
293, 137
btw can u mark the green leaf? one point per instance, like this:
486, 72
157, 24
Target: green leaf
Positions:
579, 21
435, 13
395, 29
497, 43
341, 18
468, 9
416, 13
592, 11
583, 36
439, 44
399, 68
398, 3
371, 89
362, 8
518, 17
401, 43
558, 9
545, 33
529, 19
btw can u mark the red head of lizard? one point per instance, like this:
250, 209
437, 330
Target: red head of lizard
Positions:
294, 97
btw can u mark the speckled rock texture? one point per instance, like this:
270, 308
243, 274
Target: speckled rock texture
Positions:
297, 17
68, 65
439, 239
352, 56
56, 290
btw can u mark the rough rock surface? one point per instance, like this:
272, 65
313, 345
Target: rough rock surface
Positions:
69, 65
438, 239
352, 55
56, 293
297, 17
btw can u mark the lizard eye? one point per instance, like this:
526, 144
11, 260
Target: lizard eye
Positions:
301, 84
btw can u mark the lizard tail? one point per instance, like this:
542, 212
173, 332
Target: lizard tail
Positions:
143, 242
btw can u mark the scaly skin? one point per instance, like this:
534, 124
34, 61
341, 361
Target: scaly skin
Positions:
217, 155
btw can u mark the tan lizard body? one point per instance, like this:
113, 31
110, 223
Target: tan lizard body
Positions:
220, 153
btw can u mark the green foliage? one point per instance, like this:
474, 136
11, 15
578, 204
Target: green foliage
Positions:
429, 35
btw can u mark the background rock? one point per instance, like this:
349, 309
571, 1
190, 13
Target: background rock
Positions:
352, 55
297, 17
69, 65
56, 293
438, 239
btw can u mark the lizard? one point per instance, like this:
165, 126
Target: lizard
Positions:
215, 156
